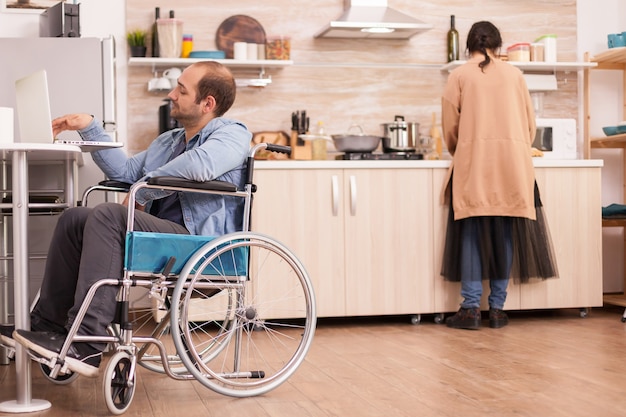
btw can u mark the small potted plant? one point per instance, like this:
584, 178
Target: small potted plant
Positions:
137, 42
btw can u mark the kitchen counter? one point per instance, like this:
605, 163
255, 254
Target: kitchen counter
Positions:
341, 164
358, 224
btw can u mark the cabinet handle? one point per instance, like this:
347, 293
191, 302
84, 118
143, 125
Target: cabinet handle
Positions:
335, 191
352, 195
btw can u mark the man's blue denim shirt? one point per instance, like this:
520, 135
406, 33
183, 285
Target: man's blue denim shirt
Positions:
217, 152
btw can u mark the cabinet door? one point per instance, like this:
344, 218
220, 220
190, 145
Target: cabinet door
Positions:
303, 210
572, 204
388, 237
447, 297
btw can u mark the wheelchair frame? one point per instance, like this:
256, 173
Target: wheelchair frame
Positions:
238, 319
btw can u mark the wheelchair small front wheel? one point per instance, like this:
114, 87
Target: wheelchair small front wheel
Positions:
61, 379
119, 384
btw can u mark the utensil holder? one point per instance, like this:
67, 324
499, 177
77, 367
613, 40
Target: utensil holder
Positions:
302, 152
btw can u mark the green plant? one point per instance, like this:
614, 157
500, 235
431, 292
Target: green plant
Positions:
137, 37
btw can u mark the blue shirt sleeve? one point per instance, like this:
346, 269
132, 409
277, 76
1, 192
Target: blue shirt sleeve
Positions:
221, 146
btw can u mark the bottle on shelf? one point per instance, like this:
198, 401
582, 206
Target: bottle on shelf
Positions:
155, 33
436, 137
453, 41
319, 143
187, 46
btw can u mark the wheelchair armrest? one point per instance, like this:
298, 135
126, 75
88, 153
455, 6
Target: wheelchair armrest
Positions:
183, 183
115, 184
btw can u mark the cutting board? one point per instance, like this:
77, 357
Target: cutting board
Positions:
238, 28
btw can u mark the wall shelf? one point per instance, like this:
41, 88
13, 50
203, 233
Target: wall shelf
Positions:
534, 66
260, 64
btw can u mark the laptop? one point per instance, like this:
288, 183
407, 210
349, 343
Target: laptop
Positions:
34, 116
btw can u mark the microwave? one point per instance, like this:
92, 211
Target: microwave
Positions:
556, 138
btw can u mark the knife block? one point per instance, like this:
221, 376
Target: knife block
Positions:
300, 149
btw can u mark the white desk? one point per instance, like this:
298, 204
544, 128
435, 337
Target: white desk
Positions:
20, 155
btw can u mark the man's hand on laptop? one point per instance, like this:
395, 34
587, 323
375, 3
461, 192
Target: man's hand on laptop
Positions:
71, 122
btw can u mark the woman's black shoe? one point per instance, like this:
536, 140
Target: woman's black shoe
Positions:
497, 318
465, 318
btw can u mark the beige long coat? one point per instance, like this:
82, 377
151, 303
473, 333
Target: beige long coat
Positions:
488, 124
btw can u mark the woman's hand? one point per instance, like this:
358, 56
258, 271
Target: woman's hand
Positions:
71, 122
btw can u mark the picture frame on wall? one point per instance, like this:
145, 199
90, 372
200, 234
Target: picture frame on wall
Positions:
27, 6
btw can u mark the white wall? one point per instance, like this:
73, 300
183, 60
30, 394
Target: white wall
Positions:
595, 21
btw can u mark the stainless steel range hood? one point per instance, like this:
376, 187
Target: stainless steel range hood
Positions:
367, 19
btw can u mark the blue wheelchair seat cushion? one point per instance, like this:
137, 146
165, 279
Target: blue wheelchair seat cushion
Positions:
149, 252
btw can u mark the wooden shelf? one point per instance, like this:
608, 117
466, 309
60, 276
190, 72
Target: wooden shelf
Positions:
615, 141
612, 56
615, 299
612, 59
613, 222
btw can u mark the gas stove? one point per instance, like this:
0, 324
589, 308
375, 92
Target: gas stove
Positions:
376, 156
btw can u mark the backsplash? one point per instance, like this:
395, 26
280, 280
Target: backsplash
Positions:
345, 81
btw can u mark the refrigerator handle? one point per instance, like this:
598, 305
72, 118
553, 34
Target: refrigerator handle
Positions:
108, 84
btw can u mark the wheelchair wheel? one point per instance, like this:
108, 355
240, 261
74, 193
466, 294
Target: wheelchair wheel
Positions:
245, 314
61, 379
119, 383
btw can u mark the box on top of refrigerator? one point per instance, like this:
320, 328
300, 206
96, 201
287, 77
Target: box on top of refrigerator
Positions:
60, 21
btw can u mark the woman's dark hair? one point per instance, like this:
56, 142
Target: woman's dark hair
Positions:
483, 37
218, 82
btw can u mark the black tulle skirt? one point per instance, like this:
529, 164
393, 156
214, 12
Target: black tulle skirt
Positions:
533, 254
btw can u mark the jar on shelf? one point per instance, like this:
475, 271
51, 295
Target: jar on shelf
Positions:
519, 52
278, 47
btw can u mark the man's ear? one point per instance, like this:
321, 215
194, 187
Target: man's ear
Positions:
209, 104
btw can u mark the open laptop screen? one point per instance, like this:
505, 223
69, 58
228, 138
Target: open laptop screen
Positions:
35, 119
33, 108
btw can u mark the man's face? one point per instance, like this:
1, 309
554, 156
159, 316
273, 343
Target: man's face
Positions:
183, 96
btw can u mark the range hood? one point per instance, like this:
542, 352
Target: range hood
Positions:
372, 19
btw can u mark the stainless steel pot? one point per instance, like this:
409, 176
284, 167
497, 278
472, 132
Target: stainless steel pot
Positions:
400, 136
359, 142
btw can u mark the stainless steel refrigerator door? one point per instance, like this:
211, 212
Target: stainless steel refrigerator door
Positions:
74, 67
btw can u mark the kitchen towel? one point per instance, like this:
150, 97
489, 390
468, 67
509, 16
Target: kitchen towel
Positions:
6, 125
615, 211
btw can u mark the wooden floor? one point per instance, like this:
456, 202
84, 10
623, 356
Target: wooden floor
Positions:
548, 363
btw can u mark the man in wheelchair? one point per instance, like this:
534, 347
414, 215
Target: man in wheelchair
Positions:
88, 243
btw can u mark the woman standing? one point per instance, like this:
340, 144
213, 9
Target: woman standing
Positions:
496, 227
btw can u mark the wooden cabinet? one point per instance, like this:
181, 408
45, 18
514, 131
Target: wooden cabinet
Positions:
388, 241
571, 199
372, 239
572, 206
364, 235
295, 206
613, 59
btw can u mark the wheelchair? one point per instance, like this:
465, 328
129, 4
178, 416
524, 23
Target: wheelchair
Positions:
235, 312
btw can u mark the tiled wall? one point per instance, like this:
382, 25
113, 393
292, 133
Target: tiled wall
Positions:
343, 81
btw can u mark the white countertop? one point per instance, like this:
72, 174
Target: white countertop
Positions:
341, 164
43, 152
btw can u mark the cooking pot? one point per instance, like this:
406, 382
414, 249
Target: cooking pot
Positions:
358, 142
400, 136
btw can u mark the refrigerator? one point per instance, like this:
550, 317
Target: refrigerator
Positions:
81, 79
